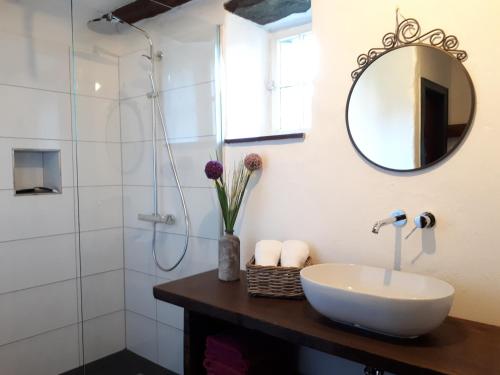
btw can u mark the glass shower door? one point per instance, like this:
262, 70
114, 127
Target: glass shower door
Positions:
97, 142
39, 286
125, 330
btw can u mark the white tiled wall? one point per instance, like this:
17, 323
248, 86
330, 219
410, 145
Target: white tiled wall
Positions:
39, 261
100, 207
186, 78
104, 335
170, 348
199, 120
48, 71
134, 70
40, 241
36, 310
136, 118
101, 117
48, 116
47, 354
99, 164
49, 20
38, 257
142, 335
96, 72
99, 158
139, 295
102, 294
101, 250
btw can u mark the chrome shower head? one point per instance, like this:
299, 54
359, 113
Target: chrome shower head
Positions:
111, 24
107, 24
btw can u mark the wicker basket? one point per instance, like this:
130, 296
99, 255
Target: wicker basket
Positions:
276, 282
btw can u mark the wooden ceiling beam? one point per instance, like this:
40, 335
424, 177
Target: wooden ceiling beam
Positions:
264, 12
142, 9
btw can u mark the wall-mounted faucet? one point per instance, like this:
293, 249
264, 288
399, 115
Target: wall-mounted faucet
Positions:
397, 218
424, 220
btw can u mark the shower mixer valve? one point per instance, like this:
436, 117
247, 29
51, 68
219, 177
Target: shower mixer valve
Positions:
161, 219
424, 220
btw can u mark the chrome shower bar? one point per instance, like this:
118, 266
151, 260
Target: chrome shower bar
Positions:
157, 218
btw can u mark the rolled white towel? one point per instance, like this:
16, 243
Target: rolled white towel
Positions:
267, 252
294, 253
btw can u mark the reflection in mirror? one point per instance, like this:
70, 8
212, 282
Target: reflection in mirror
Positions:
267, 57
410, 107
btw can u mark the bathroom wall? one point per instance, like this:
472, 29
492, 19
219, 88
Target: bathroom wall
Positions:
99, 177
38, 255
186, 75
337, 196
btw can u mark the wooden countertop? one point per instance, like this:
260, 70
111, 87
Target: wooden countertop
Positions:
457, 347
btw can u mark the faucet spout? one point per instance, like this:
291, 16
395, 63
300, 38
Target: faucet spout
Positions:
379, 224
397, 218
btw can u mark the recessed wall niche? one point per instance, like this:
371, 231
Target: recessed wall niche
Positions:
37, 171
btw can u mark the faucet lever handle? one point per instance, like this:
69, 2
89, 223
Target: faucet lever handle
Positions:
424, 220
411, 232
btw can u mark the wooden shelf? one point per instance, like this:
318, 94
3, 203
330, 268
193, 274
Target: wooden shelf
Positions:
457, 347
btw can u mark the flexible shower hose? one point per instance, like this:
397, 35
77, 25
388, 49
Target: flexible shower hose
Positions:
177, 182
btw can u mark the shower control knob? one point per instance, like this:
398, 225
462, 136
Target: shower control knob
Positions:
424, 220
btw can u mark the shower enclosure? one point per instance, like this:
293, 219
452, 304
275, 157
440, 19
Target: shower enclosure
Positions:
92, 109
109, 23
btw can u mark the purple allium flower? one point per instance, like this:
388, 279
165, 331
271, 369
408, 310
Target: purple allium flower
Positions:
253, 162
213, 169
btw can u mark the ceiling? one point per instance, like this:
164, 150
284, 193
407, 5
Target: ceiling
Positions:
262, 12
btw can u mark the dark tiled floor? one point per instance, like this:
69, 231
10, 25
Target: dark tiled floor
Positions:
121, 363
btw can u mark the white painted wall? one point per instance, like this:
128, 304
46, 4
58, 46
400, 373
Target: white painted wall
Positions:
322, 191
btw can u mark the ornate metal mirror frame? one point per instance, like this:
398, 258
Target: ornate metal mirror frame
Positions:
409, 32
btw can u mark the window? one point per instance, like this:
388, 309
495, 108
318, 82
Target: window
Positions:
291, 79
268, 73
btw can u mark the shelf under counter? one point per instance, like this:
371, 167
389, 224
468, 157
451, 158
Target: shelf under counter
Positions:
458, 346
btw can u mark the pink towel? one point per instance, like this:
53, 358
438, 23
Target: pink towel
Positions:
242, 365
227, 346
218, 368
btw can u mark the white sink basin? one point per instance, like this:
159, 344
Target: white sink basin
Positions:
390, 302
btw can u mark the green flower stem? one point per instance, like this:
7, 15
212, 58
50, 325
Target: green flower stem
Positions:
231, 203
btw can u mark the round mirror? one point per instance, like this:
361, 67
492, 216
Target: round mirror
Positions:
410, 108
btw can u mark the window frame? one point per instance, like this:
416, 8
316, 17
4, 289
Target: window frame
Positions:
274, 76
